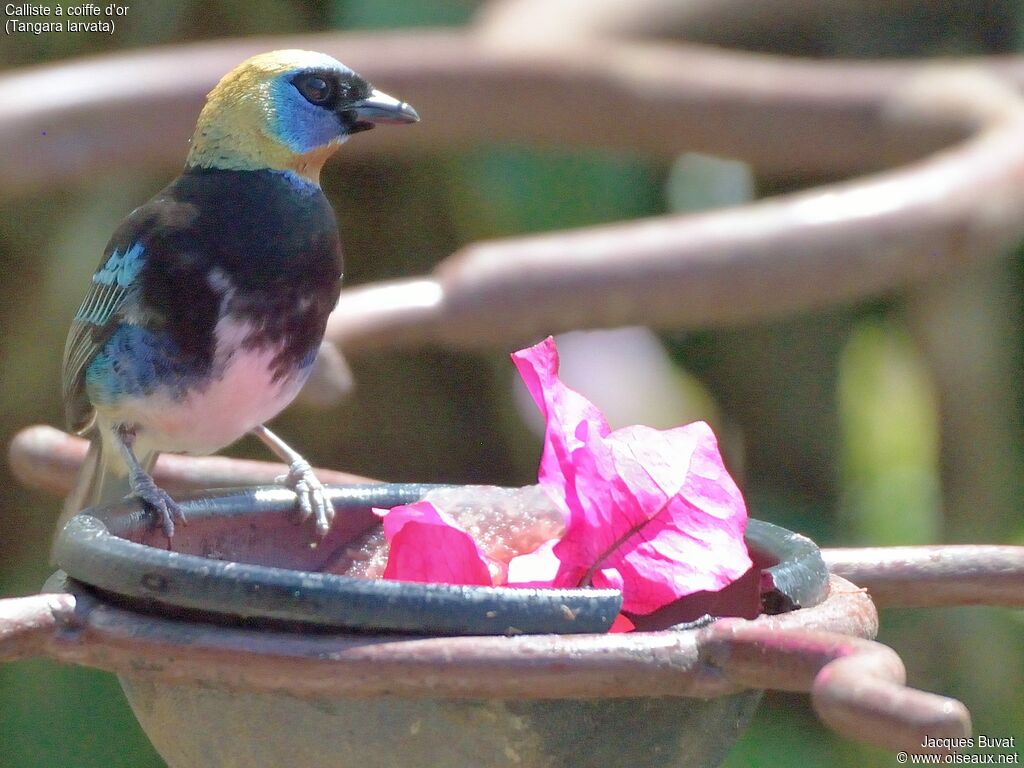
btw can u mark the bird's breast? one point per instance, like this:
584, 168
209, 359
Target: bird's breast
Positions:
246, 388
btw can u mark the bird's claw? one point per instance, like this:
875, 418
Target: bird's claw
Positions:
311, 493
159, 502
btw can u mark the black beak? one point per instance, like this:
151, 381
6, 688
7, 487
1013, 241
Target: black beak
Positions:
379, 108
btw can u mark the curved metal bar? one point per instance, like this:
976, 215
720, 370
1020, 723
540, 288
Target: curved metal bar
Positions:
826, 246
309, 664
835, 244
800, 579
48, 459
242, 558
930, 576
814, 649
71, 118
857, 686
858, 697
727, 23
27, 623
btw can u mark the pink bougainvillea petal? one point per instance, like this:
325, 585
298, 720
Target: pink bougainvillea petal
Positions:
653, 513
427, 546
621, 624
566, 413
534, 569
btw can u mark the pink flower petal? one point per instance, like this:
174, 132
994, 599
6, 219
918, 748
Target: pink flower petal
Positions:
566, 413
621, 624
653, 513
427, 546
534, 569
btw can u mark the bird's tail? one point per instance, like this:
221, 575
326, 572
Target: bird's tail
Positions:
103, 478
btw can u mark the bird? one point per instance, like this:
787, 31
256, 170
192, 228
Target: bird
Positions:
205, 314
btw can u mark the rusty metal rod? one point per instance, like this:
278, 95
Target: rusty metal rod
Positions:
786, 116
47, 459
308, 664
826, 246
857, 686
28, 623
931, 576
789, 652
835, 244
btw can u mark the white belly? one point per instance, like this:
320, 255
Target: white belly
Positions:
239, 398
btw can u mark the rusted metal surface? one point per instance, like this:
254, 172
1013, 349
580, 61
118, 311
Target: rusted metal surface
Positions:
28, 623
816, 649
677, 98
534, 666
861, 696
857, 686
47, 459
829, 245
942, 575
826, 246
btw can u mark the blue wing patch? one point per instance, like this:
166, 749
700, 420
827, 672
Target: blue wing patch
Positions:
96, 318
120, 269
134, 362
110, 285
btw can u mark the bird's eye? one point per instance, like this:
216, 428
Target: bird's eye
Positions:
315, 89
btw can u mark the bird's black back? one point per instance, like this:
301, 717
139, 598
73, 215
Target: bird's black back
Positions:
259, 246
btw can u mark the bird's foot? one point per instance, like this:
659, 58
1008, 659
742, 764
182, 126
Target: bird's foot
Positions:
312, 496
157, 501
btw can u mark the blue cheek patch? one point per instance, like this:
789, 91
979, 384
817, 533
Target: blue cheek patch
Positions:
297, 124
120, 269
135, 362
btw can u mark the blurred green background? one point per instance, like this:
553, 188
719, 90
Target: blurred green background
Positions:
898, 421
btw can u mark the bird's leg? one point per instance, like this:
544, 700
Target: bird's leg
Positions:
312, 495
155, 498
